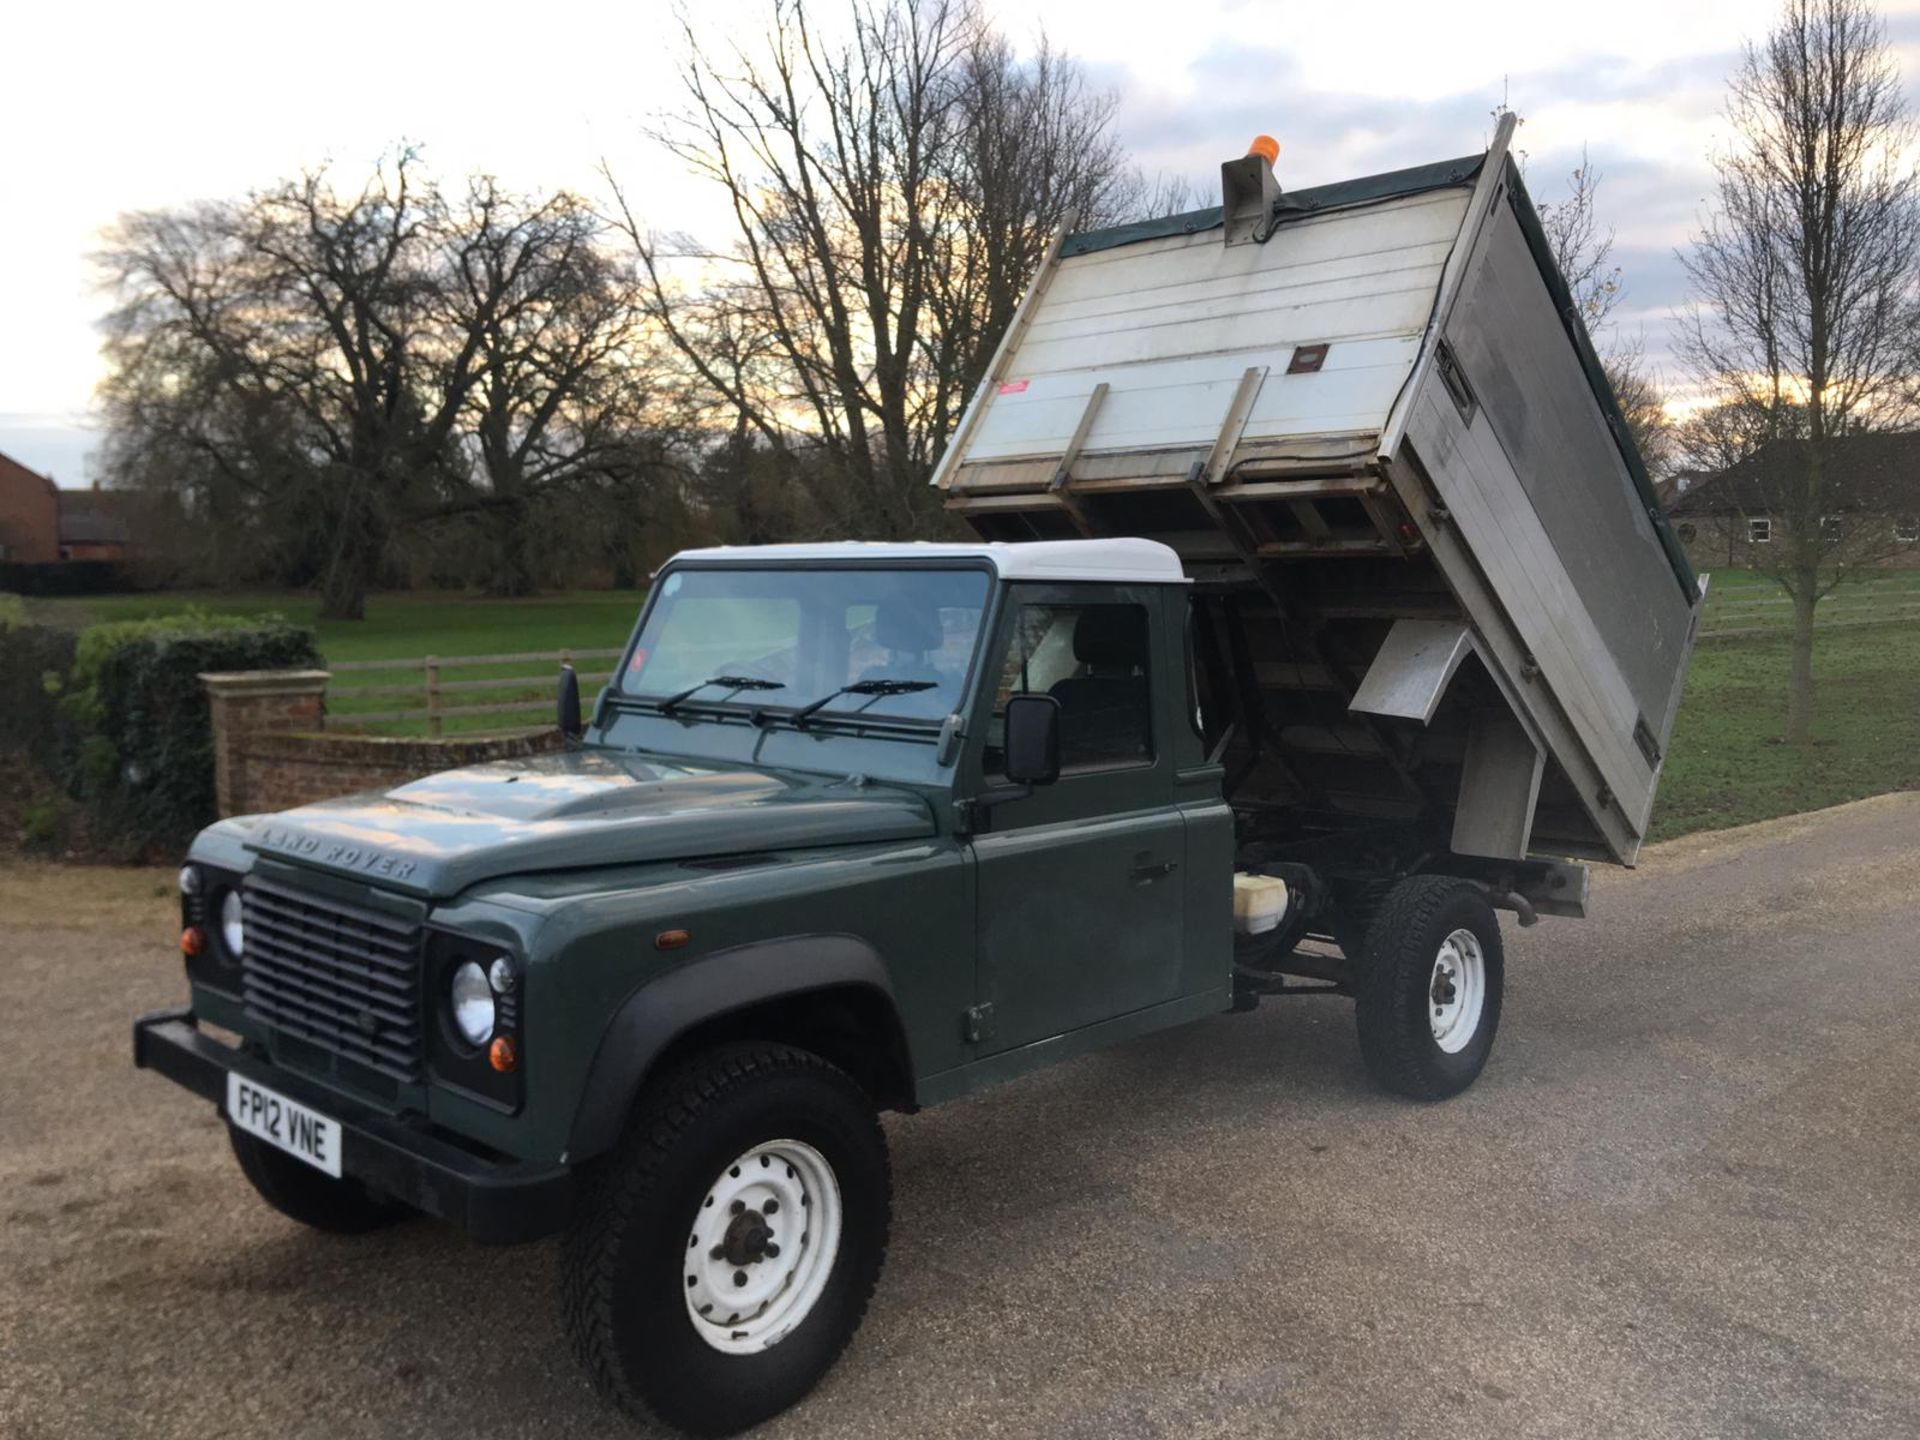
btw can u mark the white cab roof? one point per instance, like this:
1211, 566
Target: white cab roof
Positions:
1137, 562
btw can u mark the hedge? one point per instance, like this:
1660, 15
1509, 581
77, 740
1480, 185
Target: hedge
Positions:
34, 660
139, 748
67, 577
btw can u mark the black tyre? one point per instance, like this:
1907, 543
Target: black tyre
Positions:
1429, 995
314, 1198
722, 1257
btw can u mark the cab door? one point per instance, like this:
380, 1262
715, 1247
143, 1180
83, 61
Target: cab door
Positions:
1079, 885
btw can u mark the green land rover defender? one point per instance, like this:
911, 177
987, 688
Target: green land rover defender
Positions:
1295, 651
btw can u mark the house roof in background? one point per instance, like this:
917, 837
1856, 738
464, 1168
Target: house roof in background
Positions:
7, 462
1877, 472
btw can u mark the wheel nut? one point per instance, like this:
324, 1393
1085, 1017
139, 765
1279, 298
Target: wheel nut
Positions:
738, 1206
739, 1277
772, 1207
772, 1252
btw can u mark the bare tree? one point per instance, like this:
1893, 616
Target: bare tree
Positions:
890, 194
1804, 282
1642, 400
302, 305
558, 386
330, 369
1582, 247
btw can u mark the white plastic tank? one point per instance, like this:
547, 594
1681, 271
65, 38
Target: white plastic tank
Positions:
1259, 903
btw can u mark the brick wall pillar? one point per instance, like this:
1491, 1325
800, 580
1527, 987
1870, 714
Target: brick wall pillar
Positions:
251, 702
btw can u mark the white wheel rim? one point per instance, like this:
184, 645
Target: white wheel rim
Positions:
762, 1246
1457, 991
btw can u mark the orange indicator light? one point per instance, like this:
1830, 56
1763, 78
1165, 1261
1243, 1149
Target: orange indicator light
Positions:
1267, 146
501, 1054
671, 939
192, 940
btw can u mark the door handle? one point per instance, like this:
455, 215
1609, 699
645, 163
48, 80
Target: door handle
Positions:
1145, 871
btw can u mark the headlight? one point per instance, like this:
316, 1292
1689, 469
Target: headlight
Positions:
472, 1000
233, 932
190, 882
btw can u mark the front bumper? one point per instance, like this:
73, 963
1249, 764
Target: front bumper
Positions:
494, 1199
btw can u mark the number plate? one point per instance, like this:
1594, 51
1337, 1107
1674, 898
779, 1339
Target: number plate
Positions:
302, 1133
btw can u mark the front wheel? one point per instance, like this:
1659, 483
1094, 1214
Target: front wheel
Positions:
1429, 998
722, 1257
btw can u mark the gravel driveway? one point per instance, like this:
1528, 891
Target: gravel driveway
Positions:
1683, 1201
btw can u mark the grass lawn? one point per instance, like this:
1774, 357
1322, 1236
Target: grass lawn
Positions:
1726, 766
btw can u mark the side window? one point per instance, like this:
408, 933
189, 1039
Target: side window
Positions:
1093, 659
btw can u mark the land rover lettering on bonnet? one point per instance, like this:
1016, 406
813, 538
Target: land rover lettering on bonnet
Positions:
344, 857
1284, 664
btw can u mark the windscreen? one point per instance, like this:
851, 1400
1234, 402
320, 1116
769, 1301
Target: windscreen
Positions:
896, 644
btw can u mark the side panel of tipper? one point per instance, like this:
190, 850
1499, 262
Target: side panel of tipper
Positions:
1511, 350
1582, 614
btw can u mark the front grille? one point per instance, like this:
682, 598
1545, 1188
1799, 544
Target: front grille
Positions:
341, 976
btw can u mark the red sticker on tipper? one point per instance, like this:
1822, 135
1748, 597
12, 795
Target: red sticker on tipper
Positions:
1013, 387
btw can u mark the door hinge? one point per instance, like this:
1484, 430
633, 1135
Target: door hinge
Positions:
979, 1023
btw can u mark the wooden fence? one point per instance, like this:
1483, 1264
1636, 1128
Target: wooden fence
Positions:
1749, 609
456, 676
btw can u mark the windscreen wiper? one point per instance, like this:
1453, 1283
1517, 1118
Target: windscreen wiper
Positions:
875, 688
732, 683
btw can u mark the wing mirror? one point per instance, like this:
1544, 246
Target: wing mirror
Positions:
1033, 739
567, 704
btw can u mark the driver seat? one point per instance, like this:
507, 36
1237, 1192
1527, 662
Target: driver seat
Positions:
908, 628
1103, 713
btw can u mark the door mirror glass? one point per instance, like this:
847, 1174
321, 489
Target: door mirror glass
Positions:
1033, 739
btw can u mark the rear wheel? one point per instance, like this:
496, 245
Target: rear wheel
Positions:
1429, 997
314, 1198
722, 1257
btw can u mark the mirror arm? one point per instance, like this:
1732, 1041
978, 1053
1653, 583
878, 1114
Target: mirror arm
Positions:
1000, 795
973, 814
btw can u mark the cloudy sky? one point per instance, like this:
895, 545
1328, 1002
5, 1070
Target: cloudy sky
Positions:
109, 107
